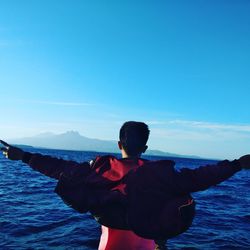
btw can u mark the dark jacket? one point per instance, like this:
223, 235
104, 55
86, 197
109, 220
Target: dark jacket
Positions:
150, 198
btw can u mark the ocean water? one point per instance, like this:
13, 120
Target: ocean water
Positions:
32, 216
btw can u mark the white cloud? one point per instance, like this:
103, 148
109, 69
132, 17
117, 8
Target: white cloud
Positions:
201, 125
63, 103
212, 126
56, 103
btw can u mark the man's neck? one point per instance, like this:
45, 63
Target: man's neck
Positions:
125, 155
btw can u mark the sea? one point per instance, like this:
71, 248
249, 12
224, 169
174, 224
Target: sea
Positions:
32, 216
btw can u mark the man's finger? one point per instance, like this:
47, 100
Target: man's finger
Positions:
4, 143
5, 154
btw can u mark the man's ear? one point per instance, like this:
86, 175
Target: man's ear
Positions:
120, 145
145, 148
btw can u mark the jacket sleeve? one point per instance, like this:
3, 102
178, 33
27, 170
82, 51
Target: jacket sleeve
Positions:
54, 167
193, 180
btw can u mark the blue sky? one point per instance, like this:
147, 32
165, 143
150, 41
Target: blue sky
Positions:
180, 66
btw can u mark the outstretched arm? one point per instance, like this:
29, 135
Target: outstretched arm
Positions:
193, 180
10, 152
47, 165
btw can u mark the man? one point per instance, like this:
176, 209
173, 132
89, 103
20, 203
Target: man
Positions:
135, 200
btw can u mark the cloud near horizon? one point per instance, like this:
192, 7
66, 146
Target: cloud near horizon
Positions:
200, 131
214, 140
201, 125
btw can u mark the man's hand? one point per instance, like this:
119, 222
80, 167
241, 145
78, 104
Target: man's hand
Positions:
245, 161
10, 152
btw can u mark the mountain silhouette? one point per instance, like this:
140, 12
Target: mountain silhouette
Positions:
72, 140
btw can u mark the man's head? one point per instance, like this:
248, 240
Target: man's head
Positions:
133, 138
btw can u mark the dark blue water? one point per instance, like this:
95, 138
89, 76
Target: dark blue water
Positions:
32, 216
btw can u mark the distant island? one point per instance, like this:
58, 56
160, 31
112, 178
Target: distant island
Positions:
72, 140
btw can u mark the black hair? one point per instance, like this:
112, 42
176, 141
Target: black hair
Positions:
133, 137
